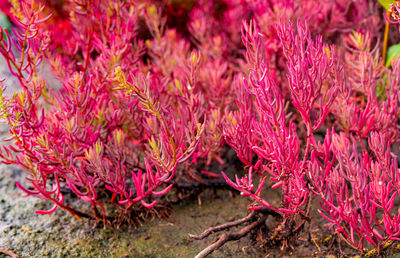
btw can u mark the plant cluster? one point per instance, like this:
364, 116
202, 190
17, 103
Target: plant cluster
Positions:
120, 123
301, 93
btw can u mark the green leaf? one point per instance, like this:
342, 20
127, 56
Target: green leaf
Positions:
386, 3
5, 23
393, 52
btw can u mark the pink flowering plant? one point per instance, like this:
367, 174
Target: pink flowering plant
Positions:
117, 124
151, 90
345, 90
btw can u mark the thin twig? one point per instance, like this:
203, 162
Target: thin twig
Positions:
210, 230
315, 242
231, 236
238, 222
8, 252
348, 242
385, 38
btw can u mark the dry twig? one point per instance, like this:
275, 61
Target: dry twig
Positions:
9, 253
233, 235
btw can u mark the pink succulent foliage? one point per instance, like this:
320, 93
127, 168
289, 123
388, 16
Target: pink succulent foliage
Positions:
356, 179
271, 132
347, 90
118, 124
358, 190
144, 99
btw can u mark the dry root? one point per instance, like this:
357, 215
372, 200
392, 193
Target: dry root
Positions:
253, 216
9, 253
